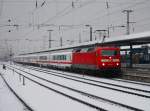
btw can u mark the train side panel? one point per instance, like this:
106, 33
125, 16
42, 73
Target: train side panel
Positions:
84, 60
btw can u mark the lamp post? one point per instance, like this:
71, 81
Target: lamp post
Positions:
90, 31
61, 42
128, 20
50, 38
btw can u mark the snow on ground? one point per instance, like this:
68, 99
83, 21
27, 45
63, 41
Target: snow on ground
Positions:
106, 80
8, 101
131, 100
41, 99
54, 96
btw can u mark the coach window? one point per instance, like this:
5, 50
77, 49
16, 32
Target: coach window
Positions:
64, 57
53, 57
58, 57
61, 57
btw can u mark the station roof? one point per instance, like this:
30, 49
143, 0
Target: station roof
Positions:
134, 39
124, 40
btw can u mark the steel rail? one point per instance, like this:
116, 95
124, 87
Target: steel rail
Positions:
133, 93
41, 70
83, 93
22, 101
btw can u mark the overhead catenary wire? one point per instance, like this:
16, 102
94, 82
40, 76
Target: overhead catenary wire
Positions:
63, 14
71, 8
60, 1
116, 11
137, 11
68, 10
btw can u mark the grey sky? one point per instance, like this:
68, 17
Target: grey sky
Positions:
67, 19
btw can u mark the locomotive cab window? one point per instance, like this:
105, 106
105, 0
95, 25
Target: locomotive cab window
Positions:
109, 52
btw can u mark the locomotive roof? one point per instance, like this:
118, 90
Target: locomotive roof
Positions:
125, 40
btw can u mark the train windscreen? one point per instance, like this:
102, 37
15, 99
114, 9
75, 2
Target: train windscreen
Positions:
109, 52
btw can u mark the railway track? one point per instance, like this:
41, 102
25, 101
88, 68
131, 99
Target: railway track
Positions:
95, 82
133, 82
86, 95
57, 91
27, 107
135, 74
95, 97
113, 79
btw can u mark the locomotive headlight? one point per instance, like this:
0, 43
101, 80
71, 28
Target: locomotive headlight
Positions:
103, 64
117, 64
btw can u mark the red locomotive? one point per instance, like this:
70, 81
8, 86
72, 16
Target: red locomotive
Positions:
94, 58
99, 58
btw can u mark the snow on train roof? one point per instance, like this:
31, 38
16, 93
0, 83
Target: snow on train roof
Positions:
118, 40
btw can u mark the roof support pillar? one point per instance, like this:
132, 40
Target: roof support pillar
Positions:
131, 52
